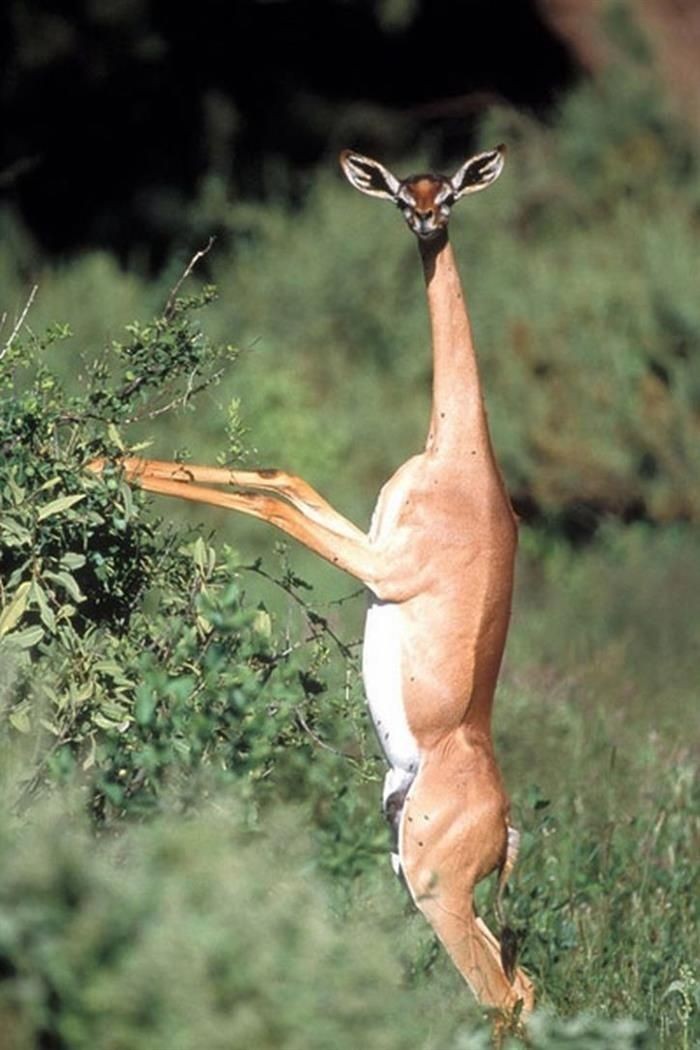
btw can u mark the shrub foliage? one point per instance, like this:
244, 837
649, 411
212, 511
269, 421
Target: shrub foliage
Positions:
131, 649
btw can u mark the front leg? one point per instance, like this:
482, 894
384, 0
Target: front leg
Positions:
286, 502
273, 482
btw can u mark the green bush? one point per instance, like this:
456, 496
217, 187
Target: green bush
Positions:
204, 934
128, 647
187, 935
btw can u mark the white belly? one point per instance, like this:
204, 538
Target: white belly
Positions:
381, 671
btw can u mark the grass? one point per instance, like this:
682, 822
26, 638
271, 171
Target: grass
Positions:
598, 724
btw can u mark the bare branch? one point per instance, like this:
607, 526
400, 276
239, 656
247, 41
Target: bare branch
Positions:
349, 597
181, 399
314, 619
170, 305
320, 742
22, 317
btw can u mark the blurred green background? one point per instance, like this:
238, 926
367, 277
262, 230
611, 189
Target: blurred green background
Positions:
255, 906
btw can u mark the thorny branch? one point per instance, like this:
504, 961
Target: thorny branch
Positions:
131, 387
170, 305
348, 597
181, 399
317, 623
314, 618
20, 321
320, 742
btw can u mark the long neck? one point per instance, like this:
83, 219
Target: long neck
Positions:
458, 417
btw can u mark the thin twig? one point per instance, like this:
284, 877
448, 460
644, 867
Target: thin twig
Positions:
170, 305
311, 615
348, 597
20, 322
181, 399
320, 742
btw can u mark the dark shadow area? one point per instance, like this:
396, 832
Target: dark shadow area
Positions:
112, 113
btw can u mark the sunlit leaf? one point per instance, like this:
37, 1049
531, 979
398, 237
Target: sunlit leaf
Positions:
58, 505
20, 720
68, 583
72, 560
262, 623
114, 436
12, 613
26, 638
48, 617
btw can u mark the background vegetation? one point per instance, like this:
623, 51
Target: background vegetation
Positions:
192, 854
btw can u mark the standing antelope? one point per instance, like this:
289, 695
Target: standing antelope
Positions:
438, 561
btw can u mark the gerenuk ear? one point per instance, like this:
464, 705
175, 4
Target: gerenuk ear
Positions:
478, 172
369, 176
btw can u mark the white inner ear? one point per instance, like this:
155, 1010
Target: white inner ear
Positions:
369, 176
489, 166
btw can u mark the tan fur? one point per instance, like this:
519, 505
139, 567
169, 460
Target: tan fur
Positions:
442, 548
450, 510
423, 190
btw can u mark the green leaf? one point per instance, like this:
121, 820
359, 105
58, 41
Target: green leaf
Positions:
47, 614
68, 582
204, 557
104, 723
71, 560
14, 533
20, 720
13, 613
27, 638
262, 623
114, 436
82, 693
57, 505
127, 499
51, 727
110, 722
114, 711
199, 552
112, 668
16, 492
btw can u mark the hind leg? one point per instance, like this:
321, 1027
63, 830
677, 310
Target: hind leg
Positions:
454, 833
